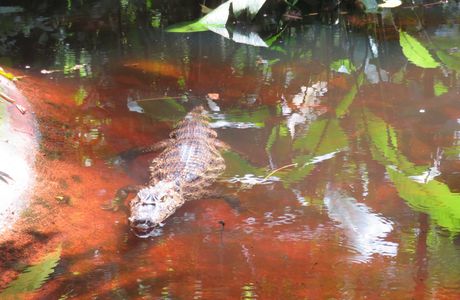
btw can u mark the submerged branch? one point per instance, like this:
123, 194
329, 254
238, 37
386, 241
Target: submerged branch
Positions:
21, 109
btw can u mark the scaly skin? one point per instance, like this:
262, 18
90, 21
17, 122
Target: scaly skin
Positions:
183, 171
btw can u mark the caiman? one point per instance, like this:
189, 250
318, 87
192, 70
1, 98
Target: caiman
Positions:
186, 168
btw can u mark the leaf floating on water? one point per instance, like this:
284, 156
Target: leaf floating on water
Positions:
33, 277
216, 19
248, 38
7, 75
415, 52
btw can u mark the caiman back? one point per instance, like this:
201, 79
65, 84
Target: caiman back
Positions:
192, 158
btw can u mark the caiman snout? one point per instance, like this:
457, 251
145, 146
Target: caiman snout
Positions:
151, 206
143, 227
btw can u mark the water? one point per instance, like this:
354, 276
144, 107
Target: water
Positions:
345, 154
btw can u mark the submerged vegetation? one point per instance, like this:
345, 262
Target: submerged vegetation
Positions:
33, 277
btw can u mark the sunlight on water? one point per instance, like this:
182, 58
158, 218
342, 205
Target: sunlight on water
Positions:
364, 229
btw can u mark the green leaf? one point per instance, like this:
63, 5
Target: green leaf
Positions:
218, 17
269, 41
33, 277
195, 26
272, 138
433, 198
415, 52
451, 61
257, 117
167, 109
343, 66
342, 108
237, 165
6, 74
440, 88
452, 152
325, 137
398, 77
384, 145
80, 96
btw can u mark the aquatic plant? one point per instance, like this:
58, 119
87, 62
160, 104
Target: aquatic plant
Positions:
416, 52
33, 277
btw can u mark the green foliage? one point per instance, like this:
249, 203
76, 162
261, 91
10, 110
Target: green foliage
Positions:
451, 61
278, 131
269, 41
399, 76
257, 117
325, 137
384, 145
167, 109
218, 17
342, 108
181, 82
195, 26
452, 152
237, 165
440, 88
80, 96
433, 197
33, 277
6, 74
343, 63
415, 52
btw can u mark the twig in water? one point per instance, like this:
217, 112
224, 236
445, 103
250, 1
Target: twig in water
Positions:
279, 169
21, 109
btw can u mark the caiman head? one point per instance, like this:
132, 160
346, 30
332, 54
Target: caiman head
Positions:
152, 206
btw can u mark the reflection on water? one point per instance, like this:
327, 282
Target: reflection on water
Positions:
364, 229
344, 138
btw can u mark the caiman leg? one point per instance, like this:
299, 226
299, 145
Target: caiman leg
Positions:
120, 197
222, 145
135, 152
230, 199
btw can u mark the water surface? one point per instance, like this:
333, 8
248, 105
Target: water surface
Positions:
344, 132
